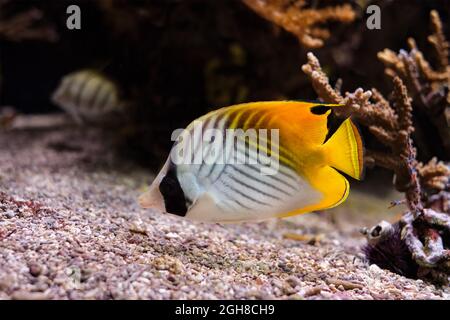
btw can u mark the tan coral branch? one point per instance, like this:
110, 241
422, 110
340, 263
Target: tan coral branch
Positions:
294, 17
428, 86
438, 41
434, 175
22, 26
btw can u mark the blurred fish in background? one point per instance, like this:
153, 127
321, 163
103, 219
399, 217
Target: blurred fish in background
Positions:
89, 97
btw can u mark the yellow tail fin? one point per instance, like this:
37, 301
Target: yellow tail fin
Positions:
344, 150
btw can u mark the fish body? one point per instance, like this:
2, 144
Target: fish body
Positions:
88, 96
283, 162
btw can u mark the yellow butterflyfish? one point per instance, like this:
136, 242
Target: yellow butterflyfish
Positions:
259, 160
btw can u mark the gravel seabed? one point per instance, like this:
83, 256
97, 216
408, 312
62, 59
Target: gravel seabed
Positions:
71, 228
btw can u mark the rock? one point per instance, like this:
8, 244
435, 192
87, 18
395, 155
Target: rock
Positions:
35, 270
25, 295
10, 214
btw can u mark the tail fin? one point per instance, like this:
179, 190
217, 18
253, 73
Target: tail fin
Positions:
344, 150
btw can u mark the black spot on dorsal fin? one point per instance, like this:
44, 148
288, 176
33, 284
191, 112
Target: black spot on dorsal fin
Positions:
321, 109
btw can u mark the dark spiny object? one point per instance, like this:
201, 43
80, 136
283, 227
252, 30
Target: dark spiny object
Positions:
387, 250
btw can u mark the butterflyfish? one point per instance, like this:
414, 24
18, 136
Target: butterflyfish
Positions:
88, 96
256, 161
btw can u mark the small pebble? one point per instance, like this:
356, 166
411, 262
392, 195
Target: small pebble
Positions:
35, 270
10, 214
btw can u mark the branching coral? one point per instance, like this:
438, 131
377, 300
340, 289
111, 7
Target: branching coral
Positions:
24, 25
294, 17
429, 87
433, 175
425, 225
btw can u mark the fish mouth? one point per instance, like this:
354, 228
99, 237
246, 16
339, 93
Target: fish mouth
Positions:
156, 205
152, 199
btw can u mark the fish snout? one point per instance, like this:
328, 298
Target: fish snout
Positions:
152, 199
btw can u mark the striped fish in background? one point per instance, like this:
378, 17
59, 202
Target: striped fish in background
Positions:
88, 97
293, 174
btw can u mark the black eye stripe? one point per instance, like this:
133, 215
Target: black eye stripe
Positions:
173, 194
